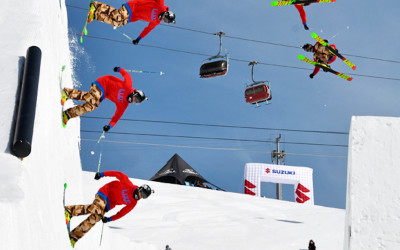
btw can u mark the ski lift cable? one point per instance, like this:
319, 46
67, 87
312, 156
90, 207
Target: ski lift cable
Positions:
275, 44
217, 138
220, 126
253, 40
213, 148
231, 59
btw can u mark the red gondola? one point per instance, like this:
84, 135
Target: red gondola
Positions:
215, 68
257, 91
257, 94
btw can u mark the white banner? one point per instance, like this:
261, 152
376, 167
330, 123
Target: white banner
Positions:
300, 177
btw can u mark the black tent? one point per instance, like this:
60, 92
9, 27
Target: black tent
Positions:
177, 171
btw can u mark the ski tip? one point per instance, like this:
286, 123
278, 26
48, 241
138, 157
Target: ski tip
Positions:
350, 79
354, 67
81, 40
314, 35
63, 68
301, 57
274, 3
65, 185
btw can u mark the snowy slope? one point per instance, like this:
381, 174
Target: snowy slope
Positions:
195, 218
31, 190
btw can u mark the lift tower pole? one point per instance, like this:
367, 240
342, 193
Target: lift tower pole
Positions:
276, 156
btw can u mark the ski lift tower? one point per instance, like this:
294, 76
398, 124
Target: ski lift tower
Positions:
277, 156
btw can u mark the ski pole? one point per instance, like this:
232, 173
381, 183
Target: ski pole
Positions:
98, 141
145, 71
101, 236
122, 33
98, 166
348, 27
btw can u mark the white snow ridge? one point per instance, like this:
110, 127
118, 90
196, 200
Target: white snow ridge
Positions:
31, 190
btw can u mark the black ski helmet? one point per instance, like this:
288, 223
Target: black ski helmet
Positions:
169, 16
308, 47
138, 95
145, 190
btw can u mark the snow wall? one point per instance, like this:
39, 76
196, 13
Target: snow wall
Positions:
31, 188
373, 197
300, 177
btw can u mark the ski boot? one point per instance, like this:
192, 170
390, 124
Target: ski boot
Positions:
64, 97
92, 10
325, 65
68, 215
65, 118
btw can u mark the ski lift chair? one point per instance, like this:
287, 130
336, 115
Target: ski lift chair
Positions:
217, 67
257, 92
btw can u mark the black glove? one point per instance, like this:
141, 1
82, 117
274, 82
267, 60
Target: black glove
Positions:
136, 41
106, 128
105, 219
97, 176
116, 69
311, 76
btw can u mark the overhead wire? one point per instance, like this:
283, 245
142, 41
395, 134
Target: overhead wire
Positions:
220, 125
253, 40
217, 138
213, 148
231, 59
275, 44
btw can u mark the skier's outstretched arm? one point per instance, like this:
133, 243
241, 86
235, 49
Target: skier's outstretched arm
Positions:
118, 114
120, 176
122, 212
147, 30
127, 77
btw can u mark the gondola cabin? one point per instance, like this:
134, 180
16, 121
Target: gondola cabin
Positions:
257, 94
213, 69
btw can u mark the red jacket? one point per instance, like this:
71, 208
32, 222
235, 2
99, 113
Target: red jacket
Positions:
116, 91
146, 10
118, 193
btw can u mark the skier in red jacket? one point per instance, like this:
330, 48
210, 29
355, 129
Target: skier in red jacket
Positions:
322, 55
109, 87
120, 192
152, 11
302, 13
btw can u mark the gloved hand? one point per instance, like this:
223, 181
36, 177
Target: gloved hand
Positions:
105, 219
311, 76
97, 176
106, 128
136, 41
116, 69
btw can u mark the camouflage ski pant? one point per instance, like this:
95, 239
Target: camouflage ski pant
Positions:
91, 99
108, 14
322, 54
96, 211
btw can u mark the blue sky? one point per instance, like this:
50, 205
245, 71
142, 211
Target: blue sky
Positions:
325, 103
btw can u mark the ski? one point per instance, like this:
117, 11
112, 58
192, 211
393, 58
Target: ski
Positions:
290, 2
61, 94
68, 219
328, 69
84, 30
67, 214
333, 51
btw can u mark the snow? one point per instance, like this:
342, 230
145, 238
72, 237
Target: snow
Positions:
183, 217
373, 200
